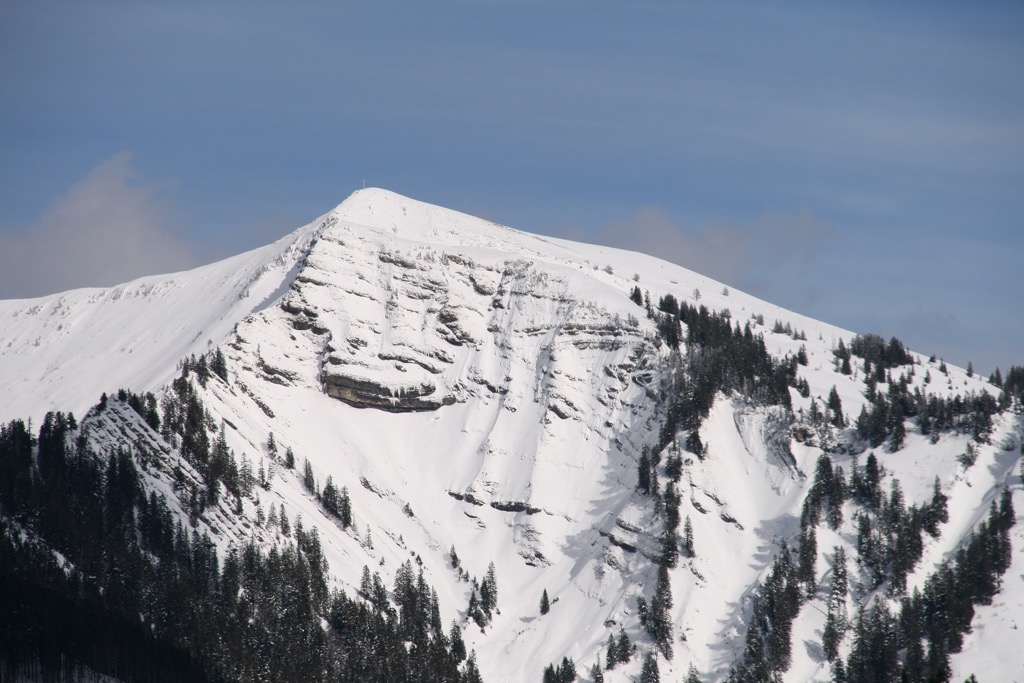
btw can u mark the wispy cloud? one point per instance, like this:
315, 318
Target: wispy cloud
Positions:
108, 228
744, 255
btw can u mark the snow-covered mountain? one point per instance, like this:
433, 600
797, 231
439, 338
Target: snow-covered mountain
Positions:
491, 392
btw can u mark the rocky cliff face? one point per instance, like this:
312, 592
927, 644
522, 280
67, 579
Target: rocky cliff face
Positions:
399, 325
409, 327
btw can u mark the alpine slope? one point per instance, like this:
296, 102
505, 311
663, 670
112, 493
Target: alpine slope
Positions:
489, 393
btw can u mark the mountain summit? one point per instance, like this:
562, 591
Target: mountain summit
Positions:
666, 461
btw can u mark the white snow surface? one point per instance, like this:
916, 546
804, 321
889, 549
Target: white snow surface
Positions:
534, 381
60, 352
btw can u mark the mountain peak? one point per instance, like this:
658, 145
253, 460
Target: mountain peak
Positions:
402, 217
482, 393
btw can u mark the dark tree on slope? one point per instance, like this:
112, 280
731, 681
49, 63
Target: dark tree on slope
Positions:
473, 610
835, 410
219, 365
659, 620
842, 355
670, 305
611, 656
489, 592
836, 498
345, 508
645, 472
545, 604
835, 620
768, 642
307, 478
874, 657
649, 671
688, 548
623, 649
897, 430
563, 673
330, 498
807, 559
471, 674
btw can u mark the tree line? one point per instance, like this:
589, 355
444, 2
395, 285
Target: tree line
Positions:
101, 574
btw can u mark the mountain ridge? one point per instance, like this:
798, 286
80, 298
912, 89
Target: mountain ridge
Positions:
476, 387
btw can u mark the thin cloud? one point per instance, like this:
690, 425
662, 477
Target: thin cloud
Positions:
745, 255
108, 228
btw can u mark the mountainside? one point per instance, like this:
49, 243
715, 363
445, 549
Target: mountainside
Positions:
600, 425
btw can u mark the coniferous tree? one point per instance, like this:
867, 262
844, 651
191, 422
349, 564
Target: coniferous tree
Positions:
545, 604
623, 647
841, 354
836, 498
649, 671
835, 409
596, 675
611, 656
330, 498
807, 558
472, 671
489, 592
473, 611
688, 548
670, 305
458, 646
898, 430
246, 479
307, 478
264, 482
567, 671
345, 508
872, 482
669, 549
644, 472
835, 620
840, 585
674, 466
202, 371
659, 621
219, 364
831, 636
453, 557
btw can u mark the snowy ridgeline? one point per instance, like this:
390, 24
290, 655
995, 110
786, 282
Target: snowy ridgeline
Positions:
428, 394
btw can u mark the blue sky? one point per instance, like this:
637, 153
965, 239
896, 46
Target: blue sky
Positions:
862, 163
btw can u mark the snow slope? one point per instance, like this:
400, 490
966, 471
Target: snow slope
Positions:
61, 351
488, 390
